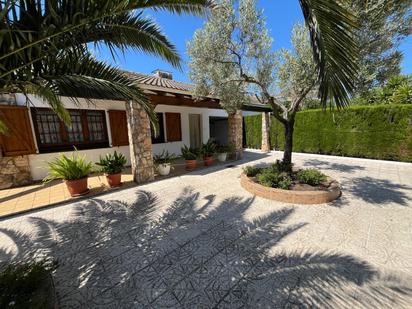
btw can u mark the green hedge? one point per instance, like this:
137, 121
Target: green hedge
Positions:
378, 132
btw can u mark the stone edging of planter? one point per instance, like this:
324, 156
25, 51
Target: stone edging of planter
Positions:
289, 196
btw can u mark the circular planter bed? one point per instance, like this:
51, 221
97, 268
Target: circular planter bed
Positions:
299, 194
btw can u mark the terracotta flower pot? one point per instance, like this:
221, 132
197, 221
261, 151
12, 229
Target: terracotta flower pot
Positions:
77, 187
191, 165
114, 180
208, 160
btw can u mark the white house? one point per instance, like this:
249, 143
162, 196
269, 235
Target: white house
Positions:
37, 135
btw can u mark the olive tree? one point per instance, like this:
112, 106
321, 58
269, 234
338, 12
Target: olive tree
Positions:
232, 59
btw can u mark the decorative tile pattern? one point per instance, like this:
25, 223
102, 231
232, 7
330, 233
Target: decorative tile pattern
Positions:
208, 245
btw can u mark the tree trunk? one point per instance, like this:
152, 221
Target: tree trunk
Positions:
287, 154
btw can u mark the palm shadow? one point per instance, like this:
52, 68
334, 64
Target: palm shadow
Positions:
379, 191
345, 168
196, 253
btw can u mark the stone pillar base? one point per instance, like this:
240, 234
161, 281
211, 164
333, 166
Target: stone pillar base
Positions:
14, 172
235, 138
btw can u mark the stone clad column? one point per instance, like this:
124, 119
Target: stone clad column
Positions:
265, 132
235, 126
140, 142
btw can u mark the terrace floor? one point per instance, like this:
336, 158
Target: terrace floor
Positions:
200, 241
39, 195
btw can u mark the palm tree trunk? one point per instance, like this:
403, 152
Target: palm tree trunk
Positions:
287, 154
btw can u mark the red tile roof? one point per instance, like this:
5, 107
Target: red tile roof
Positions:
170, 85
155, 81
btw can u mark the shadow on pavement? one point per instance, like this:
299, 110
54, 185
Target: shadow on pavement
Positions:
198, 253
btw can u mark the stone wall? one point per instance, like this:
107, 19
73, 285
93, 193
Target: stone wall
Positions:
265, 132
235, 123
140, 141
14, 171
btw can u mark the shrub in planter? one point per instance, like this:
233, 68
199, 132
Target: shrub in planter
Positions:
311, 176
269, 177
222, 151
163, 162
112, 165
208, 150
73, 170
251, 171
27, 285
190, 155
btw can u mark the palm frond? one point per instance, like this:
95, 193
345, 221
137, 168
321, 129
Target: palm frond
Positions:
333, 37
89, 78
127, 31
197, 7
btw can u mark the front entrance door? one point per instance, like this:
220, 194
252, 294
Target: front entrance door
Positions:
195, 130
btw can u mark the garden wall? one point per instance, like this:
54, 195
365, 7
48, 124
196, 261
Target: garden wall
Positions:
377, 132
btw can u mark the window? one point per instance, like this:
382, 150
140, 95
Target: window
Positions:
87, 130
49, 128
173, 127
96, 122
75, 131
161, 134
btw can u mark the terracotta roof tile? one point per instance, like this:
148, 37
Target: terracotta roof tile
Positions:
151, 80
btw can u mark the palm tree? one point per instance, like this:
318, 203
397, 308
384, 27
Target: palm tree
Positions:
44, 47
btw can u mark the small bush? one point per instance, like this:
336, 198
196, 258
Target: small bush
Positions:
164, 158
189, 153
282, 167
311, 176
26, 285
69, 168
285, 183
270, 177
251, 171
112, 163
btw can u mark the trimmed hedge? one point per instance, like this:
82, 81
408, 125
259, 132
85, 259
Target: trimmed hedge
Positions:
377, 132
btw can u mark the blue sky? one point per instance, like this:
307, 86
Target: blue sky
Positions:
280, 17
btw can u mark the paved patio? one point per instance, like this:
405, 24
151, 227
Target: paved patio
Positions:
200, 241
39, 195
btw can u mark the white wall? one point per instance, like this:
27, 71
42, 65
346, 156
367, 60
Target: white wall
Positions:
38, 162
174, 147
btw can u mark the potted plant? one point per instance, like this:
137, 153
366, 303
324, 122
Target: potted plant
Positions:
222, 151
190, 155
163, 162
73, 170
112, 165
208, 150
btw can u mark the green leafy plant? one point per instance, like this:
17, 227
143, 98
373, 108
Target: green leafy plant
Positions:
208, 149
311, 176
251, 171
112, 163
26, 285
164, 158
270, 177
51, 55
285, 183
68, 168
282, 166
189, 153
225, 148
